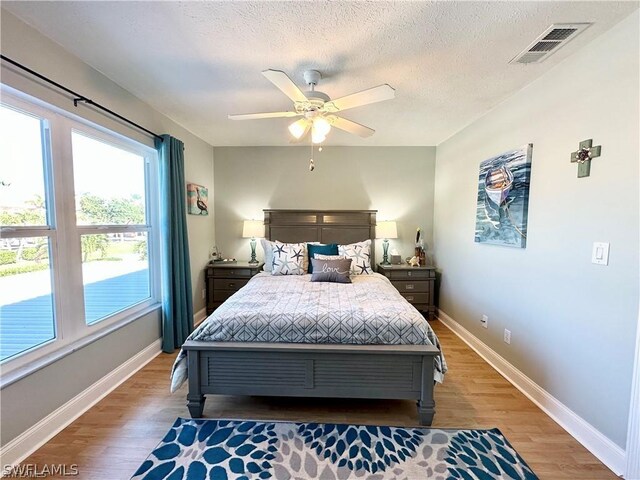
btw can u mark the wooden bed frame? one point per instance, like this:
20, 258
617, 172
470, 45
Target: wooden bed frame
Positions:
313, 370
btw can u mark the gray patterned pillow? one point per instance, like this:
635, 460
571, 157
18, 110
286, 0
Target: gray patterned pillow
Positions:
288, 259
360, 253
336, 271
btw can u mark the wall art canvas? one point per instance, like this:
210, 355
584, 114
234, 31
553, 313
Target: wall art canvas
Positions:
503, 198
197, 199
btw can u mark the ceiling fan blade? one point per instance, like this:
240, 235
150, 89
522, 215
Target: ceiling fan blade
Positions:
285, 84
352, 127
365, 97
257, 116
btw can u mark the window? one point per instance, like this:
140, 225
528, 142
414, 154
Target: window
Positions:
67, 274
26, 301
112, 221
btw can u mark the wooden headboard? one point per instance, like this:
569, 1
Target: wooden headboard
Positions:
324, 226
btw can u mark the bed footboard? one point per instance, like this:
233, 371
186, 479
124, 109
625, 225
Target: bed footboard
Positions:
310, 370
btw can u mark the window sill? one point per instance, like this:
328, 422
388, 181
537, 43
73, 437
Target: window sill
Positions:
46, 360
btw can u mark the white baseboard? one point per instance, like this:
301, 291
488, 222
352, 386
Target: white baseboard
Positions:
32, 439
633, 431
592, 439
199, 316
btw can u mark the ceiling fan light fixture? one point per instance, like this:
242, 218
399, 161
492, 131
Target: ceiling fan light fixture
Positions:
317, 136
298, 128
322, 126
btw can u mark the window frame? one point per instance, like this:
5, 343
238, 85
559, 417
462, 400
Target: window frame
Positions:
65, 258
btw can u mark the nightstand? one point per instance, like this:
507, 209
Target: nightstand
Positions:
223, 280
415, 284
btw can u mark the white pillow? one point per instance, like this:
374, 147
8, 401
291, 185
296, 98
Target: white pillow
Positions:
267, 246
360, 255
320, 256
289, 259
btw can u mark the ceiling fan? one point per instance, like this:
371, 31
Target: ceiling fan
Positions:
317, 108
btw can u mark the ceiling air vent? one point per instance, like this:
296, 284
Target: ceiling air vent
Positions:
549, 42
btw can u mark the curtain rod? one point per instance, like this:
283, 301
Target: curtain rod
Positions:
78, 97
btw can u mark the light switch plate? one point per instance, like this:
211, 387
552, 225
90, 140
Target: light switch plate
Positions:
600, 253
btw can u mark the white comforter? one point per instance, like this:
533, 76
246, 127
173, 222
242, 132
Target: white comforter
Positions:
292, 309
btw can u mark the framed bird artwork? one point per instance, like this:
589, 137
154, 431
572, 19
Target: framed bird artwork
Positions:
197, 199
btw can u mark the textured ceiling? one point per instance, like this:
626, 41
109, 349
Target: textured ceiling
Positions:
196, 62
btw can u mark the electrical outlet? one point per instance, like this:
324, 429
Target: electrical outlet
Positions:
507, 336
485, 321
204, 293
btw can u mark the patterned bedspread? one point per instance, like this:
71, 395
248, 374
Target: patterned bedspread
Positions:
292, 309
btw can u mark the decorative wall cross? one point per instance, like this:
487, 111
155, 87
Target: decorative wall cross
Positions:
583, 157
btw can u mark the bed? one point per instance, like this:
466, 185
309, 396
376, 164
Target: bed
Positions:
262, 355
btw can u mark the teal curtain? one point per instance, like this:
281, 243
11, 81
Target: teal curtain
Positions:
177, 301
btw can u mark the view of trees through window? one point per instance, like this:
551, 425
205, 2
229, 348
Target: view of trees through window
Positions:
22, 255
115, 211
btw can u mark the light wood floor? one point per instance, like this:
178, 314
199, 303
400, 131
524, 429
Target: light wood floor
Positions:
113, 438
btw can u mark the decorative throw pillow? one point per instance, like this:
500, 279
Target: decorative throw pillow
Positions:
313, 249
336, 271
288, 259
360, 254
319, 256
267, 246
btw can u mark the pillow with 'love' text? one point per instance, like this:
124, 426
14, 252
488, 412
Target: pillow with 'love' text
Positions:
335, 271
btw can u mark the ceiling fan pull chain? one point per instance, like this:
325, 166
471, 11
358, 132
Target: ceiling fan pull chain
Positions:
312, 165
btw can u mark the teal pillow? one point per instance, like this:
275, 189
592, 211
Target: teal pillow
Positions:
313, 248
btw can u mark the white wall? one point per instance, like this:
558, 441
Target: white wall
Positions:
573, 323
41, 393
396, 181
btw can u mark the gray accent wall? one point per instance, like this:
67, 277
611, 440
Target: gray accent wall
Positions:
397, 181
573, 323
29, 400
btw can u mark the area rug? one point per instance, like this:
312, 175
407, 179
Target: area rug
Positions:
236, 449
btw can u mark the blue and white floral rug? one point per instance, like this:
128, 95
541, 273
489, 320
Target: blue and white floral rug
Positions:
235, 449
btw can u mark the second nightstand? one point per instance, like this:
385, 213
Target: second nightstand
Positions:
223, 280
415, 284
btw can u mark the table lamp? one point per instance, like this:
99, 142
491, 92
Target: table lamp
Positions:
386, 230
253, 229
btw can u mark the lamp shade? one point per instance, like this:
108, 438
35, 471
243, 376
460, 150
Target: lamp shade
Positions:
386, 230
253, 229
